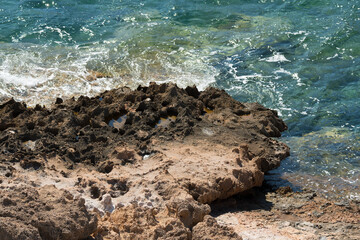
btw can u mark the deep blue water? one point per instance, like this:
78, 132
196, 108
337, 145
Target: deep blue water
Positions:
301, 58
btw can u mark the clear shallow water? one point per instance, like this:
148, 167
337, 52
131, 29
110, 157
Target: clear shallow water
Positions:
301, 58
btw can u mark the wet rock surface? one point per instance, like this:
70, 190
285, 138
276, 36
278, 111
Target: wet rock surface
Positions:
147, 162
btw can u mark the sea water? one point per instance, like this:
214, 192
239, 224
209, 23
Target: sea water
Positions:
300, 57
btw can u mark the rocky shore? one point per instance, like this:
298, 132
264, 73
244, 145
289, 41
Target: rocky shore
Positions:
158, 162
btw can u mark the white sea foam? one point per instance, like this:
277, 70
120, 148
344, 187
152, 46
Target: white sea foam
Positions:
295, 76
18, 79
40, 74
281, 70
277, 57
22, 69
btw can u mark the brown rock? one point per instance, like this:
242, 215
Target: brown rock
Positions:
209, 229
46, 213
135, 222
209, 147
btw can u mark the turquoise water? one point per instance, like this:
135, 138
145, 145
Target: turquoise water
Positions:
301, 58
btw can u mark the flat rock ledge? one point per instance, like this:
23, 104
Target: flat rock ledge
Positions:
131, 164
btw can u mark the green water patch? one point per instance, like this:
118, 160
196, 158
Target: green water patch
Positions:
130, 44
242, 22
327, 160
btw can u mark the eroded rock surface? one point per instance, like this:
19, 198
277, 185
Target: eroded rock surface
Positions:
158, 153
43, 213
